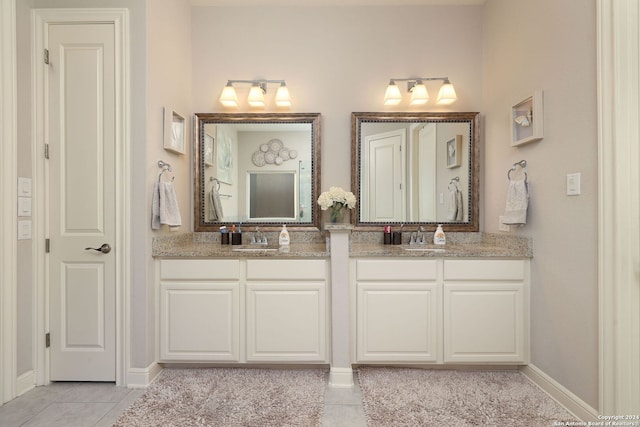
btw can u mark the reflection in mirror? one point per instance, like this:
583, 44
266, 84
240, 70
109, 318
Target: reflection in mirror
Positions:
416, 168
261, 169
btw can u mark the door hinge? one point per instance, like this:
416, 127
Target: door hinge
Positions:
47, 245
47, 340
46, 151
46, 56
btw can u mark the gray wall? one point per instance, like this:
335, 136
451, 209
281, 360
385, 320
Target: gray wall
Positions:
550, 45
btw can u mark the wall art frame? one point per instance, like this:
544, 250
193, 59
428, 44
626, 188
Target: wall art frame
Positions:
454, 152
527, 121
175, 126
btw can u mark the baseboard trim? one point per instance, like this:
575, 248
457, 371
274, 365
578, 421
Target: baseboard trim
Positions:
341, 377
25, 382
142, 377
560, 394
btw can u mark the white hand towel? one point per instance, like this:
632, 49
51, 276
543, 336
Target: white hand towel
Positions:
515, 212
164, 206
460, 206
215, 206
452, 205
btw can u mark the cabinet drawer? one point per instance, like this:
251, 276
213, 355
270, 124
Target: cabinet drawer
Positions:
275, 269
396, 269
484, 269
200, 269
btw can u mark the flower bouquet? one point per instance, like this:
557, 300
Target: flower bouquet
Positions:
336, 199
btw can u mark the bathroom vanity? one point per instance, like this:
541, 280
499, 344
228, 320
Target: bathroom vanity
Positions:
441, 310
240, 307
467, 304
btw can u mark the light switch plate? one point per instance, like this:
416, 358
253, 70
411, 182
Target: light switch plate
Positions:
24, 206
24, 230
24, 187
573, 184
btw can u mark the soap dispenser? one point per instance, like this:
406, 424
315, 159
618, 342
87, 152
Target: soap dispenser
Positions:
439, 237
283, 240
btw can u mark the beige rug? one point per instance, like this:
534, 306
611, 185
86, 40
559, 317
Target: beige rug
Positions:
230, 397
415, 397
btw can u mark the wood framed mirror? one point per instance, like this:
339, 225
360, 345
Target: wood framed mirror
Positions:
243, 159
415, 168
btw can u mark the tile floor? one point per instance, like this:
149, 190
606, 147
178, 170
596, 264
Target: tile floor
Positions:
100, 405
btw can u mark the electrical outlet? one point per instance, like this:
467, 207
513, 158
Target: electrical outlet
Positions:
501, 226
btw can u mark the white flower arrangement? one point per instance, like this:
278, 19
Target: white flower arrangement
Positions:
336, 199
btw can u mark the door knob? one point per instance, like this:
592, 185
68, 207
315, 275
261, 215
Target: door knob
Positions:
105, 248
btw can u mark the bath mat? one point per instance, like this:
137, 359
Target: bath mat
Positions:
417, 397
230, 397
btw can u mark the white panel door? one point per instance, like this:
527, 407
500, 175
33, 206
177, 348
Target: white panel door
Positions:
80, 92
286, 322
398, 322
384, 185
484, 322
200, 321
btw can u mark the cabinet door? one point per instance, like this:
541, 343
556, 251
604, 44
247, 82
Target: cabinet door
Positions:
398, 322
199, 321
286, 322
484, 322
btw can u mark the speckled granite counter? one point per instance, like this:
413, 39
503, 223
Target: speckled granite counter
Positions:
363, 244
205, 245
468, 245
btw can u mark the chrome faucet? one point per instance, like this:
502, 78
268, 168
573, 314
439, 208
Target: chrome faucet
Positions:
417, 238
258, 237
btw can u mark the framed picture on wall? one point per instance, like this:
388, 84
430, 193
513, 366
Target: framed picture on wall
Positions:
207, 155
174, 131
527, 120
454, 152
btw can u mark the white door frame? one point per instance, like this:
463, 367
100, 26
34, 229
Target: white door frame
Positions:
619, 205
41, 19
8, 192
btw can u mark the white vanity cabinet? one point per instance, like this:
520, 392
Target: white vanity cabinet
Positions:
452, 311
398, 310
243, 310
286, 308
200, 310
486, 315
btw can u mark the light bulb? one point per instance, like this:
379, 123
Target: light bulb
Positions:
228, 97
392, 96
282, 96
256, 96
419, 94
447, 94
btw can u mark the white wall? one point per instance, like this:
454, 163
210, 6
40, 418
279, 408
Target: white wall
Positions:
336, 60
169, 84
549, 45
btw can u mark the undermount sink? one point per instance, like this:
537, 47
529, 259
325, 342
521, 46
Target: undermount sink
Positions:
256, 249
424, 249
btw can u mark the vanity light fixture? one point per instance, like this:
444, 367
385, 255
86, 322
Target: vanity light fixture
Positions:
419, 93
229, 98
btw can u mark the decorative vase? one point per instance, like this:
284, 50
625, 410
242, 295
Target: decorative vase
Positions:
336, 213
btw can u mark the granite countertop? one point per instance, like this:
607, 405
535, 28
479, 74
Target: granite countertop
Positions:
462, 245
191, 249
469, 250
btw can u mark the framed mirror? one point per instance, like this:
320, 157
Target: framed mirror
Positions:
415, 169
261, 169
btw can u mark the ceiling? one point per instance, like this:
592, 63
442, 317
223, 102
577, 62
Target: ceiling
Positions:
336, 2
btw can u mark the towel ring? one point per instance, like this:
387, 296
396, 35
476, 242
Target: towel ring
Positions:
213, 178
455, 182
522, 164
